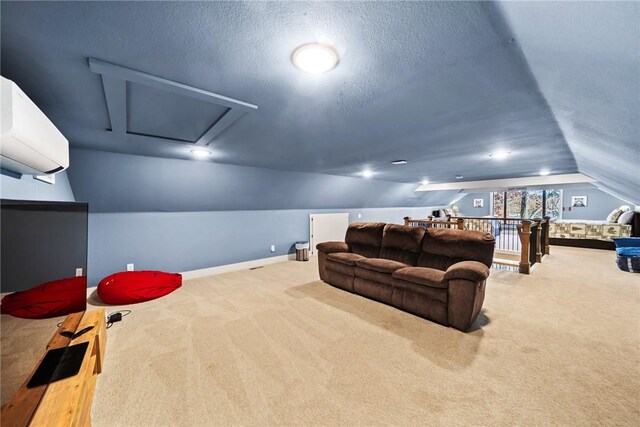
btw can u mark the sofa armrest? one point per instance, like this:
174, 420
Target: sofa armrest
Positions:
332, 247
469, 270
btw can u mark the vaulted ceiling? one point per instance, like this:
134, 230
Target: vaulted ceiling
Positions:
585, 57
441, 84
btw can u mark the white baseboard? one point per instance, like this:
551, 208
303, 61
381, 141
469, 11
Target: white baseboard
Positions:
211, 271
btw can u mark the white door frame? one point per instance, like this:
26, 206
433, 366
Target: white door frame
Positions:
312, 243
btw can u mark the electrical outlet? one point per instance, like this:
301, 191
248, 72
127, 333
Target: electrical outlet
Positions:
129, 267
359, 215
273, 248
78, 272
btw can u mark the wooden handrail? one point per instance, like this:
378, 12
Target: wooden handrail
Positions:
458, 223
484, 217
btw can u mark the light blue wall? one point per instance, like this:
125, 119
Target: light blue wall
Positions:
28, 188
113, 182
599, 204
184, 241
466, 205
180, 215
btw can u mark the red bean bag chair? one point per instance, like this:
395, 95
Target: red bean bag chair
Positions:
130, 287
50, 299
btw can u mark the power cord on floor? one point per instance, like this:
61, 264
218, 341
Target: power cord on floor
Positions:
116, 316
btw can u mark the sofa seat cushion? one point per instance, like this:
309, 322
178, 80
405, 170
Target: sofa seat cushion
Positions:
380, 265
339, 280
375, 276
338, 267
422, 276
404, 291
372, 288
345, 258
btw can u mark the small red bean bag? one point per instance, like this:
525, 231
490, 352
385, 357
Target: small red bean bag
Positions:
130, 287
49, 299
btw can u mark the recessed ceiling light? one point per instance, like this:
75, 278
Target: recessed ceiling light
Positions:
459, 176
424, 182
500, 155
201, 154
315, 58
399, 162
367, 173
544, 172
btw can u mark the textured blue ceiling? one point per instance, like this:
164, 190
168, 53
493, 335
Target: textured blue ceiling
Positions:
441, 84
586, 59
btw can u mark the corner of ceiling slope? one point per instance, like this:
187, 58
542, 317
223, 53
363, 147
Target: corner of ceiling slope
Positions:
585, 51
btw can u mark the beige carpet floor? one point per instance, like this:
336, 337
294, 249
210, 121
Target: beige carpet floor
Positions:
276, 346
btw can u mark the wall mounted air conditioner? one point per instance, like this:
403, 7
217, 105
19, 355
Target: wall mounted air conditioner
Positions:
30, 144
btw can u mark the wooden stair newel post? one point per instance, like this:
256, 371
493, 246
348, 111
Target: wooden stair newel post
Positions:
524, 232
460, 223
546, 234
539, 240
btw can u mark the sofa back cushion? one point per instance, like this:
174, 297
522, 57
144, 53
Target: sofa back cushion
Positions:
442, 247
402, 243
365, 238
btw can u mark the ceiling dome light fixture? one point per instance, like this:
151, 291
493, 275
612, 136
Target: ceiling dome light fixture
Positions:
544, 172
201, 154
399, 162
366, 173
500, 155
424, 182
459, 176
315, 58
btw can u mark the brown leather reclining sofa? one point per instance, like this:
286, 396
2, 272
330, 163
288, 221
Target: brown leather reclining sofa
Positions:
435, 273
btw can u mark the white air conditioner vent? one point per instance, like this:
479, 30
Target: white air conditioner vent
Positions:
30, 144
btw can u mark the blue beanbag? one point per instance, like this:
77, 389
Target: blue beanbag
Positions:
631, 252
628, 254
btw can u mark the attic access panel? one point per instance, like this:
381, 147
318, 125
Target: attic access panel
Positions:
162, 114
146, 94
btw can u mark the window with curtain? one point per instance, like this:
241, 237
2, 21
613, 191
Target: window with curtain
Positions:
526, 203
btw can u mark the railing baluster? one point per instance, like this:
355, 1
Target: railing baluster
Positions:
545, 234
513, 235
539, 240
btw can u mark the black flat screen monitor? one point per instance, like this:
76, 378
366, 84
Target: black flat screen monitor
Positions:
41, 242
